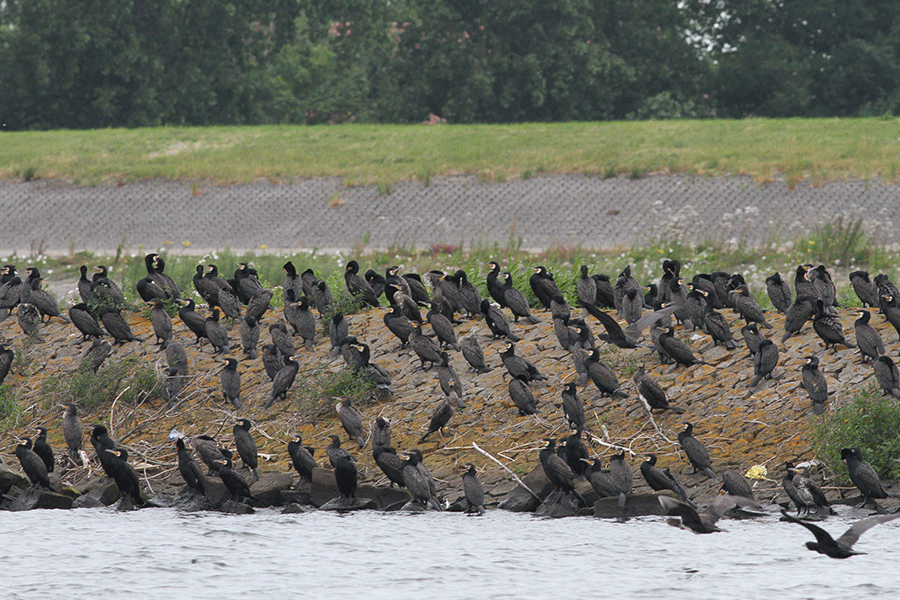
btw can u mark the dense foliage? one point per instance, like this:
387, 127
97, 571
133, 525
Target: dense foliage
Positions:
89, 64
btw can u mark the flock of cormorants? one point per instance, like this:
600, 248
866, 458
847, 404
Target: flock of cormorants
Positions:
693, 305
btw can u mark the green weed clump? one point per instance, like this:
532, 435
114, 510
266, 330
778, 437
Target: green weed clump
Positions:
9, 407
842, 241
131, 380
870, 422
318, 390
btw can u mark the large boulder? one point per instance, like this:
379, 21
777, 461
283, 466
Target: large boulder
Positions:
269, 488
10, 479
636, 505
36, 497
520, 500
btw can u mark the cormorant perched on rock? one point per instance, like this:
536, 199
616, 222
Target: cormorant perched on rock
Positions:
678, 350
85, 286
305, 323
416, 480
124, 475
44, 301
586, 287
106, 287
93, 357
272, 361
283, 381
440, 416
192, 319
865, 289
116, 325
602, 375
101, 442
472, 489
752, 338
862, 475
573, 407
600, 480
736, 484
168, 284
177, 358
32, 465
171, 383
605, 292
887, 375
259, 303
543, 286
217, 334
764, 361
189, 469
42, 448
814, 383
337, 331
249, 331
868, 340
779, 292
29, 320
843, 546
497, 322
209, 451
720, 281
357, 286
148, 289
517, 366
516, 301
802, 490
658, 479
442, 327
703, 520
521, 395
381, 432
828, 327
558, 472
345, 473
717, 327
891, 310
624, 283
398, 324
161, 321
247, 282
798, 313
10, 290
803, 282
206, 287
495, 287
72, 433
469, 296
246, 446
425, 348
81, 317
417, 289
282, 339
449, 380
236, 485
632, 306
292, 281
473, 354
231, 382
614, 333
351, 420
695, 451
6, 359
621, 474
747, 306
375, 281
650, 390
885, 286
302, 458
408, 307
825, 288
390, 464
374, 373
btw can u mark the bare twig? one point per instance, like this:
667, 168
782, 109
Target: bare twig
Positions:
505, 468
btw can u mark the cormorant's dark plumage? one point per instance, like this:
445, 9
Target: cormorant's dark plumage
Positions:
246, 445
283, 381
497, 322
42, 448
31, 463
472, 489
814, 383
230, 378
522, 396
843, 546
695, 451
863, 476
302, 458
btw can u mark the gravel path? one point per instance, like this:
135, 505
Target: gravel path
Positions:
54, 217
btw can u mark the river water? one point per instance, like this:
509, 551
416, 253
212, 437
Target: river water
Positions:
164, 553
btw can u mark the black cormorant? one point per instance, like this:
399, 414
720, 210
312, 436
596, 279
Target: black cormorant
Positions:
495, 287
702, 520
518, 366
440, 416
747, 306
620, 472
868, 340
658, 479
814, 383
42, 448
779, 292
602, 375
381, 432
887, 375
357, 286
192, 319
283, 381
29, 320
344, 465
249, 330
736, 484
85, 322
651, 391
217, 334
124, 475
865, 289
72, 433
425, 348
32, 465
230, 378
558, 471
828, 327
442, 327
497, 322
543, 285
93, 357
473, 354
236, 485
516, 301
472, 489
6, 359
416, 481
390, 464
586, 287
189, 469
843, 546
798, 313
522, 397
863, 476
116, 325
764, 361
351, 421
246, 446
573, 407
302, 458
161, 321
695, 451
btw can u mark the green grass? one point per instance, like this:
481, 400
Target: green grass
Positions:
815, 149
870, 422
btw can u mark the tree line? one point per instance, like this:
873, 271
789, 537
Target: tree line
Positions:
110, 63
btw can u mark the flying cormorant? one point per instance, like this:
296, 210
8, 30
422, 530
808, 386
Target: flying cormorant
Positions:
843, 546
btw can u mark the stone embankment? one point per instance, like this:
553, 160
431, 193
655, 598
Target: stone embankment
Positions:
741, 426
